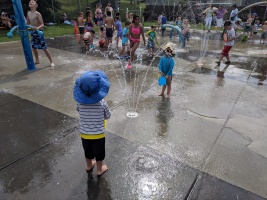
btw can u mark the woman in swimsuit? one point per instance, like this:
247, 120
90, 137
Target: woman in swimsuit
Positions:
89, 22
135, 30
99, 16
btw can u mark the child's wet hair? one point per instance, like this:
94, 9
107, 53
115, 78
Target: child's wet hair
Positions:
127, 23
227, 23
153, 26
108, 13
135, 17
102, 28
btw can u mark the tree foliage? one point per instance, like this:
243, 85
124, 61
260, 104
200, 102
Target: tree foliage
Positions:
45, 7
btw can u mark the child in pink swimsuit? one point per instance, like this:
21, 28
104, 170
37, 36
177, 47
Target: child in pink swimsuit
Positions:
135, 30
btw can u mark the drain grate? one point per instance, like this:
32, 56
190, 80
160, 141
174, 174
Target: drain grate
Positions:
132, 114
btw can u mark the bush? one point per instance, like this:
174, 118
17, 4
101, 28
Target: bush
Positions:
244, 38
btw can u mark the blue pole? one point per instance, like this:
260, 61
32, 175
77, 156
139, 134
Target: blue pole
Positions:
22, 29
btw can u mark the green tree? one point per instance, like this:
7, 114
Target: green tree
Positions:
46, 7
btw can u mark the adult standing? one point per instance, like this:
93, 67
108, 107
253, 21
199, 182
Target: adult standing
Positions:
163, 21
209, 14
131, 15
159, 20
233, 15
127, 18
99, 16
109, 8
220, 13
135, 30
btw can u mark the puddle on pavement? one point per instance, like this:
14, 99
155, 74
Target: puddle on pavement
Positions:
240, 69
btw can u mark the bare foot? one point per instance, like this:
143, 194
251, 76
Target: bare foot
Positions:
161, 95
103, 170
90, 167
37, 63
167, 96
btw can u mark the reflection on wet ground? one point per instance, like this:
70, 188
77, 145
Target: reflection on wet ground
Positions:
199, 50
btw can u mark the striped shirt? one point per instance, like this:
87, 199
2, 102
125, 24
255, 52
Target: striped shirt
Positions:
92, 117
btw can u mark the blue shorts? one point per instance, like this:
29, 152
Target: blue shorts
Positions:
187, 36
38, 41
264, 35
247, 29
119, 34
150, 44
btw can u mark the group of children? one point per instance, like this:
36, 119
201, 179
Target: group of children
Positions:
252, 26
106, 29
89, 92
183, 25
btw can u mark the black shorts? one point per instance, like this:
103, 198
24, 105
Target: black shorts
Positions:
109, 33
81, 30
86, 42
94, 148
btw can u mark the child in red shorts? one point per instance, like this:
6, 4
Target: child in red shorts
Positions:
229, 38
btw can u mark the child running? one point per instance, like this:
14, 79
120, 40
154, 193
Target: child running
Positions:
125, 37
166, 65
119, 30
135, 31
152, 39
264, 32
35, 19
229, 42
89, 92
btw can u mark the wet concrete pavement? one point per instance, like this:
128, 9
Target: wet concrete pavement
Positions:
208, 141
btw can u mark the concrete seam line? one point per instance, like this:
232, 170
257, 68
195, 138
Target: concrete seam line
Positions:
9, 164
193, 185
224, 125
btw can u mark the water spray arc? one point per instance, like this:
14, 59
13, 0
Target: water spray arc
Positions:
252, 5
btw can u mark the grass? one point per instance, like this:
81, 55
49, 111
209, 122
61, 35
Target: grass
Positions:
61, 30
70, 7
50, 31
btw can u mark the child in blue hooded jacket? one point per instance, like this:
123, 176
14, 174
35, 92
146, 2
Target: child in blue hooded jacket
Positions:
166, 65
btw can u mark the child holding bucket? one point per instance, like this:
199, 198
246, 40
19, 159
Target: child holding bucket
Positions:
166, 65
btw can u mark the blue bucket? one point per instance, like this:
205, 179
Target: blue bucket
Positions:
162, 81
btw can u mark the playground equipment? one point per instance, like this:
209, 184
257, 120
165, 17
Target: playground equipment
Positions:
23, 32
10, 33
